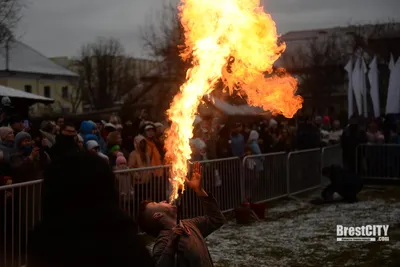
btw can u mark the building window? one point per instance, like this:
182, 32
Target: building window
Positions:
66, 110
65, 92
28, 88
47, 91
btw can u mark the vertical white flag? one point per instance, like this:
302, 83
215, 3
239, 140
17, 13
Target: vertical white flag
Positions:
356, 85
392, 105
349, 69
363, 86
391, 62
373, 77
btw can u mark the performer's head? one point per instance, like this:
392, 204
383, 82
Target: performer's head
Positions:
156, 216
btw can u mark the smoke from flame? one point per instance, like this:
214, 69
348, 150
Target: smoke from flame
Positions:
232, 40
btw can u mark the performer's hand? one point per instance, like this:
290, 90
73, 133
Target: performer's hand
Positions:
176, 234
195, 182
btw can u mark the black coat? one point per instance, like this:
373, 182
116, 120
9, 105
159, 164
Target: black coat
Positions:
104, 242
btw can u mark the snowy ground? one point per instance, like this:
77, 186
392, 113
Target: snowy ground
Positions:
296, 233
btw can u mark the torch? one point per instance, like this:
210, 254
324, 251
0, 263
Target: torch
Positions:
178, 204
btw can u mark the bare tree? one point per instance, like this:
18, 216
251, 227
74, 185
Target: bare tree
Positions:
106, 73
163, 39
10, 14
74, 97
319, 67
374, 39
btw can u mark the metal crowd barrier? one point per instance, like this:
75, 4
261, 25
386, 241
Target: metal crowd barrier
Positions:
378, 161
303, 171
222, 179
331, 155
260, 178
136, 185
20, 209
264, 177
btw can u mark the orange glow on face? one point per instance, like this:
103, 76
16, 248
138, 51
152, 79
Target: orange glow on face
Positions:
232, 40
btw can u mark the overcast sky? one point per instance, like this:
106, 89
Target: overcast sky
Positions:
60, 27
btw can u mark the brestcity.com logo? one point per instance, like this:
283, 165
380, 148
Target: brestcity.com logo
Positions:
372, 232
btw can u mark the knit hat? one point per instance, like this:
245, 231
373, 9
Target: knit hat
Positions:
20, 137
47, 126
90, 137
120, 160
4, 131
91, 144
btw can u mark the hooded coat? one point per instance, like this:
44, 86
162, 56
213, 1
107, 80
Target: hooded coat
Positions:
82, 229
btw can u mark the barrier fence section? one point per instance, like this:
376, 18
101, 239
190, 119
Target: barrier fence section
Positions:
20, 209
259, 177
303, 171
264, 177
331, 155
378, 161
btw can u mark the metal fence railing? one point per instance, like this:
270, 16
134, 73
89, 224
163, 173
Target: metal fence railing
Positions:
20, 209
378, 161
136, 185
331, 155
264, 177
259, 177
303, 171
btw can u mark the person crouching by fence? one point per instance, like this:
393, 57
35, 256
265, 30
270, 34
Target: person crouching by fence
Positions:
347, 185
82, 223
186, 240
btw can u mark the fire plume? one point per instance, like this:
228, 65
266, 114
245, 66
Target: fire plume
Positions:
232, 40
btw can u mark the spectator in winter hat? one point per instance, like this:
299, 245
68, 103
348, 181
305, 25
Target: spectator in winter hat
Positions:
7, 149
120, 162
17, 124
87, 127
114, 142
124, 178
93, 147
6, 134
139, 157
30, 161
152, 150
48, 131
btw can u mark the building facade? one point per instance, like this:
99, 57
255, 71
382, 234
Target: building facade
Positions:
23, 68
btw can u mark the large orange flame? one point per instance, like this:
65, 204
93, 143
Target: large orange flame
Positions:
232, 40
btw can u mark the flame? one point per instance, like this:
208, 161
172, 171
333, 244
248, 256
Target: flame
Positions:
232, 40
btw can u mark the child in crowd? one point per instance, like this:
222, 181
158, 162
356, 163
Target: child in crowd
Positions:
123, 177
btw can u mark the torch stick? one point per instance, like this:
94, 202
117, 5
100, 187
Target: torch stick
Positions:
179, 206
178, 218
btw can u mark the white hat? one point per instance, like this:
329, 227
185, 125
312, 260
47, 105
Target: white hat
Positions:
101, 155
110, 125
6, 101
91, 144
148, 127
158, 124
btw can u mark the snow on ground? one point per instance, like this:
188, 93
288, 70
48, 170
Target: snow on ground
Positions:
304, 236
